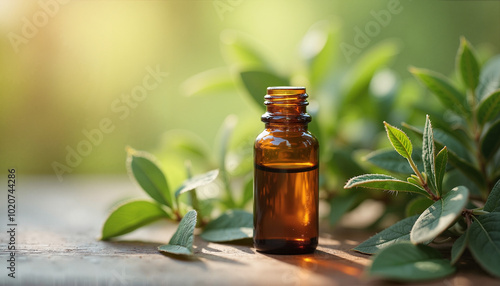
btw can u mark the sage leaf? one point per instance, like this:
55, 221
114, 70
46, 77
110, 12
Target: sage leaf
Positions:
391, 161
130, 216
240, 49
489, 108
214, 81
459, 247
493, 201
467, 64
399, 141
197, 181
428, 153
484, 242
339, 205
489, 80
441, 162
489, 141
440, 215
181, 242
231, 225
418, 206
257, 81
384, 182
147, 174
449, 96
407, 262
397, 232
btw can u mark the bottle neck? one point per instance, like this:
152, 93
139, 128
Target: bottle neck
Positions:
286, 107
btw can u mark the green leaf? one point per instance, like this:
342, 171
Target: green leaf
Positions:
181, 242
130, 216
489, 80
441, 161
493, 201
484, 242
418, 206
489, 107
489, 141
408, 262
384, 182
232, 225
214, 81
440, 215
428, 153
141, 167
397, 232
197, 181
341, 204
241, 50
399, 140
449, 96
318, 49
256, 83
459, 247
391, 161
467, 64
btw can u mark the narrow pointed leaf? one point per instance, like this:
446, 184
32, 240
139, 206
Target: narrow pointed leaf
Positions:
256, 83
440, 215
181, 242
384, 182
489, 108
399, 140
449, 96
428, 153
441, 161
391, 161
232, 225
397, 232
493, 201
147, 174
490, 142
197, 181
467, 64
459, 247
408, 262
484, 242
489, 80
130, 216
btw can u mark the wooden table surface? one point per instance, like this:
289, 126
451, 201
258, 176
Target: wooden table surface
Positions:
59, 223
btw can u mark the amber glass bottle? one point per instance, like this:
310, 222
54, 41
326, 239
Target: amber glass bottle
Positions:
286, 176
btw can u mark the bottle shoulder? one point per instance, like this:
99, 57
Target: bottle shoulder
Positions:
283, 139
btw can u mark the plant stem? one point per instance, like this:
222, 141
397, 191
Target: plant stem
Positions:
422, 180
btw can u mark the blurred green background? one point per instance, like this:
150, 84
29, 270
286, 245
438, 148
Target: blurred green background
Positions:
65, 72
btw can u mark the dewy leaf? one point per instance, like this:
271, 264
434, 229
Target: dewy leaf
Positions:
130, 216
459, 247
489, 80
397, 232
399, 140
484, 242
391, 161
467, 64
182, 240
493, 201
384, 182
408, 262
257, 81
489, 108
441, 161
232, 225
148, 175
449, 96
440, 215
197, 181
489, 141
428, 153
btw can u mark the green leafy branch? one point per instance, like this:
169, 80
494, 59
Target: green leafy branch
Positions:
129, 216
